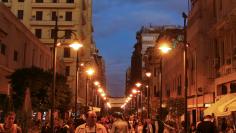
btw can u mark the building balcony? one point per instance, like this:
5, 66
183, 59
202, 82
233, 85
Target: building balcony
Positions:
8, 4
47, 40
68, 59
50, 23
54, 5
225, 69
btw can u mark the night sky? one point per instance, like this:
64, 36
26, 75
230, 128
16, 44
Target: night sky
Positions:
115, 25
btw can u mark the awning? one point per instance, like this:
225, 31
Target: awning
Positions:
223, 107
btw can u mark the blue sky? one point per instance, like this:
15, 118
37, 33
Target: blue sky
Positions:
115, 25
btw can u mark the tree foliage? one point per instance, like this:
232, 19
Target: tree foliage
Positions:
39, 83
175, 106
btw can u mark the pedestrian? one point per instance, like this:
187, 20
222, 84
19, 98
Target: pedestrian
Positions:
119, 126
159, 125
224, 125
149, 127
8, 126
193, 128
91, 125
206, 126
139, 128
36, 127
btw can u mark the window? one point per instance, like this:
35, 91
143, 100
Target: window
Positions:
179, 87
179, 90
54, 16
224, 89
39, 15
68, 34
20, 0
83, 19
20, 14
155, 72
67, 71
38, 33
53, 32
15, 56
3, 48
155, 91
39, 1
69, 1
232, 87
68, 16
168, 92
66, 52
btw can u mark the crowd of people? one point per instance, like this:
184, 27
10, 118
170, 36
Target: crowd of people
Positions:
115, 123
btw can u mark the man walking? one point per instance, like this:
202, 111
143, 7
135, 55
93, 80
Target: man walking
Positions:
9, 126
91, 126
119, 126
206, 126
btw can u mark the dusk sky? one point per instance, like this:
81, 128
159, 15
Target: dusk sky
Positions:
115, 25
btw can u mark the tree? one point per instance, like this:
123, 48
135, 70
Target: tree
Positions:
175, 106
39, 83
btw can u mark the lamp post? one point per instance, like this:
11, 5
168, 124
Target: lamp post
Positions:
164, 48
160, 87
95, 99
185, 73
148, 74
54, 75
138, 85
76, 45
89, 72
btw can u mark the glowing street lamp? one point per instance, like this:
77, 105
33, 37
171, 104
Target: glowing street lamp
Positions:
138, 84
90, 72
76, 45
148, 74
164, 48
100, 90
55, 45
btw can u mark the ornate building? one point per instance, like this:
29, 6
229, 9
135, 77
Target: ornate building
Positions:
39, 16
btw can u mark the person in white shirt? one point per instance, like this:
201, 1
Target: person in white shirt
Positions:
91, 126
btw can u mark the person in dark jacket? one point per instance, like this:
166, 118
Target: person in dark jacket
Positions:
206, 126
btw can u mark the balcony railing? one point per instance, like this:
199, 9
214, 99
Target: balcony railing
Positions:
51, 23
54, 5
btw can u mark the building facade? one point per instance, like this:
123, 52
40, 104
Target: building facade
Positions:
40, 17
19, 49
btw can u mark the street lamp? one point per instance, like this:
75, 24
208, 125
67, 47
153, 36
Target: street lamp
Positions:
138, 85
148, 75
185, 72
96, 99
74, 44
89, 72
164, 48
